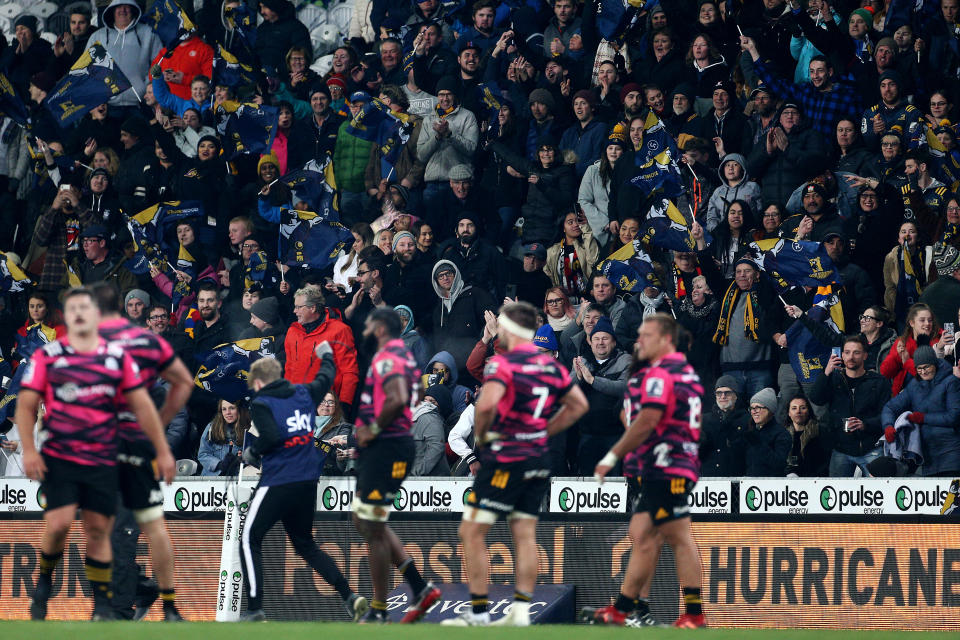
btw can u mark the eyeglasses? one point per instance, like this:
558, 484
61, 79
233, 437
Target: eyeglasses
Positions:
756, 408
301, 306
722, 394
328, 403
889, 145
250, 245
555, 301
445, 274
938, 104
866, 317
925, 367
158, 318
772, 214
953, 209
361, 273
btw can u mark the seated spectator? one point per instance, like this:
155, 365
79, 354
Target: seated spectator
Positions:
722, 441
880, 337
442, 371
808, 456
221, 443
331, 426
458, 319
135, 304
429, 432
560, 312
570, 262
854, 398
766, 443
932, 399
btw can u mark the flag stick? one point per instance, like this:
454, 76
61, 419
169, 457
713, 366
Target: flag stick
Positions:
740, 31
132, 88
782, 300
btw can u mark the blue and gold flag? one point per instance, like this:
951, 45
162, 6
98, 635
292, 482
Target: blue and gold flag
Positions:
615, 17
308, 239
12, 277
315, 185
242, 21
657, 144
666, 227
796, 263
389, 129
36, 336
251, 128
629, 268
93, 80
11, 105
171, 23
230, 71
808, 355
224, 369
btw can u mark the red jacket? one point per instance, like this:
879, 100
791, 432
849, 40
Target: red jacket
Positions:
302, 365
896, 370
193, 57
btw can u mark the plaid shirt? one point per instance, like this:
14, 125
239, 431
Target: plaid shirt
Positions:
821, 109
51, 233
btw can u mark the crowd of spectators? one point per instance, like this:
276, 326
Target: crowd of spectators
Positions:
826, 122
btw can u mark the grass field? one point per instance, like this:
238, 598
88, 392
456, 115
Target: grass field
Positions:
331, 631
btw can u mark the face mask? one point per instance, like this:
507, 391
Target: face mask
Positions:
320, 422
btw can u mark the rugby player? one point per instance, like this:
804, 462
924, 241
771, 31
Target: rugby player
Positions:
386, 456
290, 465
660, 455
139, 490
82, 381
527, 396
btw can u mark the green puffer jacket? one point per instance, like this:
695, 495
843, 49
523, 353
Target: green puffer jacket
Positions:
350, 158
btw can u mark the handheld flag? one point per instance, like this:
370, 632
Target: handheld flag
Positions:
629, 268
615, 17
260, 270
657, 143
93, 80
251, 129
171, 23
315, 185
795, 263
160, 221
36, 336
308, 239
389, 129
666, 227
491, 98
243, 22
11, 105
229, 71
224, 370
808, 355
12, 277
908, 285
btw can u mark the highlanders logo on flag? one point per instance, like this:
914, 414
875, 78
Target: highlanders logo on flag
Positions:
224, 370
92, 80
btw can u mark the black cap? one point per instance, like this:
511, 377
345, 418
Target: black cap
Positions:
95, 231
535, 249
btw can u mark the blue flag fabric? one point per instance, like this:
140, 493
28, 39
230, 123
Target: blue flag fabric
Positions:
250, 129
36, 336
658, 145
808, 356
242, 20
629, 268
147, 253
390, 130
10, 103
160, 222
223, 370
659, 179
12, 278
614, 17
665, 227
315, 185
93, 80
795, 263
491, 97
308, 239
230, 71
171, 23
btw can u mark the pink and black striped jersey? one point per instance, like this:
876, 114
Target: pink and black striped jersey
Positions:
673, 449
82, 393
152, 354
393, 360
534, 384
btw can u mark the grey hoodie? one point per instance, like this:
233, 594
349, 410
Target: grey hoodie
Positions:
723, 195
457, 288
133, 49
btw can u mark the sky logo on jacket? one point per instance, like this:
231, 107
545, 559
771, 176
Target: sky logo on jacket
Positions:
298, 422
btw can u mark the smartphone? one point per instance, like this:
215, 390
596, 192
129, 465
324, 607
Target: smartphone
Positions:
948, 327
836, 351
511, 291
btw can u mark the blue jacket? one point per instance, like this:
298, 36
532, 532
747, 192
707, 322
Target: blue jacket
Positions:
174, 102
283, 414
939, 402
587, 142
461, 394
211, 454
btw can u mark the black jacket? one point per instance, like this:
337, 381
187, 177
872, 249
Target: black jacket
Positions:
480, 264
131, 180
722, 442
308, 142
865, 401
275, 39
767, 450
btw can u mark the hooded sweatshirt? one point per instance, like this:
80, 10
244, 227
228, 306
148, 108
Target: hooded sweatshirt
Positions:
458, 320
133, 48
723, 195
461, 394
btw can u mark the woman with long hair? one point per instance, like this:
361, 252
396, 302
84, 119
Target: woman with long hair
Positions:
770, 220
221, 444
570, 261
594, 195
705, 66
808, 457
850, 154
732, 236
905, 271
345, 268
423, 234
560, 313
332, 427
899, 361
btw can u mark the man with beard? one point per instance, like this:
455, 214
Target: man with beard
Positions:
631, 97
763, 117
724, 125
541, 122
479, 262
681, 110
483, 31
724, 427
818, 219
432, 60
408, 276
587, 136
893, 109
825, 99
468, 75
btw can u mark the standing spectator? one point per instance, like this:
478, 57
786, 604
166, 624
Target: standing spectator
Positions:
528, 277
594, 195
563, 33
316, 136
27, 55
132, 45
571, 261
191, 58
586, 136
898, 362
735, 185
808, 457
854, 398
603, 374
279, 32
480, 263
722, 444
896, 298
943, 295
350, 157
933, 402
767, 444
315, 325
222, 441
880, 337
448, 138
73, 42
